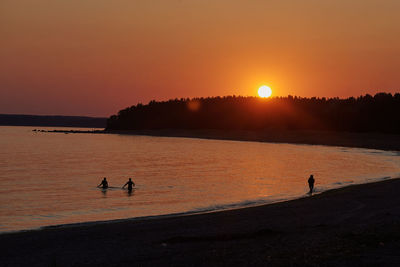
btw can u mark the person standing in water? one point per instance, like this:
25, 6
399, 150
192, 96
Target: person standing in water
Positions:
130, 184
103, 184
311, 182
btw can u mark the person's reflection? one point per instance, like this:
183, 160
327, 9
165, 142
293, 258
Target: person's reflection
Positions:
130, 193
104, 192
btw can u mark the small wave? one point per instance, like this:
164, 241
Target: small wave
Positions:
364, 181
344, 182
238, 205
378, 179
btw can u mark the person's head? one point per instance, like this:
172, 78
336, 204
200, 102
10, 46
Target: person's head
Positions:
130, 179
104, 178
311, 176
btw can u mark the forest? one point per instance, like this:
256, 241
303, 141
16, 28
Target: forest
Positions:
378, 113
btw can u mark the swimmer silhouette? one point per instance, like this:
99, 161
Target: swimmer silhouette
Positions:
103, 184
130, 185
311, 182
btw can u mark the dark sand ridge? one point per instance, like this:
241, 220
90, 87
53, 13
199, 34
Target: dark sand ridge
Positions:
347, 139
353, 226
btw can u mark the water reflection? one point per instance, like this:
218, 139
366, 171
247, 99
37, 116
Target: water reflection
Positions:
175, 174
104, 192
130, 193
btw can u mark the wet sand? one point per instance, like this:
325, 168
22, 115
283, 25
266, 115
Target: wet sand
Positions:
353, 226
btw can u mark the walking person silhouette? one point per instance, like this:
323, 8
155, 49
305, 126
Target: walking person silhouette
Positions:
311, 182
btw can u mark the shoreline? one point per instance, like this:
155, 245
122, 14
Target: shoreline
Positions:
345, 225
188, 213
380, 141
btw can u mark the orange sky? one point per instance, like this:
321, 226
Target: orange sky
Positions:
95, 57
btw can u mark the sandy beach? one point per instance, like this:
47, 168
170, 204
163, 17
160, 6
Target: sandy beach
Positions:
352, 226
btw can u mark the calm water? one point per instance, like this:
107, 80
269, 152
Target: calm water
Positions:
51, 179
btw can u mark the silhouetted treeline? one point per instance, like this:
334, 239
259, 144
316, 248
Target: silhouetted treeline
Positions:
379, 113
61, 121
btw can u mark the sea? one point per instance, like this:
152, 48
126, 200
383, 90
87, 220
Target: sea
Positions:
50, 179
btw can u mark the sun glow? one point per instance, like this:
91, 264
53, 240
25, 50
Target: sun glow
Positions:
264, 91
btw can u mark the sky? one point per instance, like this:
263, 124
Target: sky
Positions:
96, 57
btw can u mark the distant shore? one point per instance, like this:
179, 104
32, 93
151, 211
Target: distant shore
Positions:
52, 121
346, 139
353, 226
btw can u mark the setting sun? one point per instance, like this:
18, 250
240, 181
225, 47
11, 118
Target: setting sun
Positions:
264, 91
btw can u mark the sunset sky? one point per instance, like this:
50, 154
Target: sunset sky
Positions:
95, 57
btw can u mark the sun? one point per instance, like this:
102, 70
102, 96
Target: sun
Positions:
264, 91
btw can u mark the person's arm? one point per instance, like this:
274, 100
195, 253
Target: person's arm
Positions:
100, 184
124, 185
